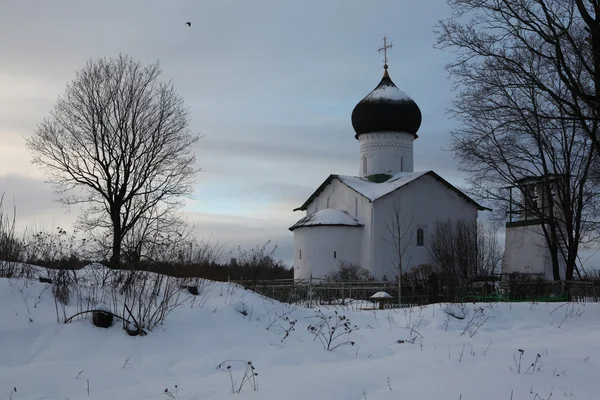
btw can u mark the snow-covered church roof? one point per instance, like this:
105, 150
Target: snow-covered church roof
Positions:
373, 191
327, 217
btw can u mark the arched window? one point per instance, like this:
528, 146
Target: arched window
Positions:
364, 164
420, 237
401, 164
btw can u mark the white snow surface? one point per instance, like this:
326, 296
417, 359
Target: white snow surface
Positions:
373, 191
449, 358
457, 311
102, 307
388, 92
328, 216
240, 307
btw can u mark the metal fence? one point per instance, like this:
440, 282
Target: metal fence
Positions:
320, 292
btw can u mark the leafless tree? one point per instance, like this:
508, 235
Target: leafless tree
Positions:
561, 36
489, 252
399, 227
117, 141
462, 251
160, 236
521, 116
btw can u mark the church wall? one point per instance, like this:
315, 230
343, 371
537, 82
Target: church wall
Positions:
529, 253
385, 153
339, 196
426, 201
319, 250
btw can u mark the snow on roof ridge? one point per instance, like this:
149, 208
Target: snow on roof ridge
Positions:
327, 217
374, 191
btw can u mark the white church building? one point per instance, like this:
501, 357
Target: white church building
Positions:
353, 219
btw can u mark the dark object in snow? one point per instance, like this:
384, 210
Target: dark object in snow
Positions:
188, 23
102, 319
45, 280
193, 290
133, 330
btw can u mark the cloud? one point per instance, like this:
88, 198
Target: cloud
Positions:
33, 201
272, 85
245, 231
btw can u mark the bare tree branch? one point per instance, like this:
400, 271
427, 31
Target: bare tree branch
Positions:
118, 141
526, 74
399, 225
462, 251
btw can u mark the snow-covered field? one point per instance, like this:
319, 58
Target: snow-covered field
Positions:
413, 354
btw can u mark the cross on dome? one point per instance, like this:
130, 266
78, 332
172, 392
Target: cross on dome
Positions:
386, 109
384, 49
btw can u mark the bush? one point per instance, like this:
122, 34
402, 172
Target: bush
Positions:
349, 273
331, 330
10, 247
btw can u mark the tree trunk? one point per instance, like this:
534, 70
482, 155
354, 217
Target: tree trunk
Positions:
555, 263
115, 259
552, 242
400, 282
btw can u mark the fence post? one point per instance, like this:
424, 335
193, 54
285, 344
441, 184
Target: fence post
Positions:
310, 293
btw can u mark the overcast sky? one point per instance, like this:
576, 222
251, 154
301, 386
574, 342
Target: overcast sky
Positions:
271, 85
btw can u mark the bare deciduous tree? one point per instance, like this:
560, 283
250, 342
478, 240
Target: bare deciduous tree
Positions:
399, 226
462, 251
521, 118
117, 141
160, 236
562, 36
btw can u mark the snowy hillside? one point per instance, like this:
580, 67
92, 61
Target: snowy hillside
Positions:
413, 354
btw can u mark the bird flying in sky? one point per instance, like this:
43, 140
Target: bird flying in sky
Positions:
188, 23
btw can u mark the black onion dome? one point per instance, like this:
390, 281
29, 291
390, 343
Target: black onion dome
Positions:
386, 109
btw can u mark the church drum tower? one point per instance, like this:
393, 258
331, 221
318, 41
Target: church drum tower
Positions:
386, 122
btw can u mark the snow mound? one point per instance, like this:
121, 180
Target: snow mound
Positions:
44, 359
240, 307
457, 311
